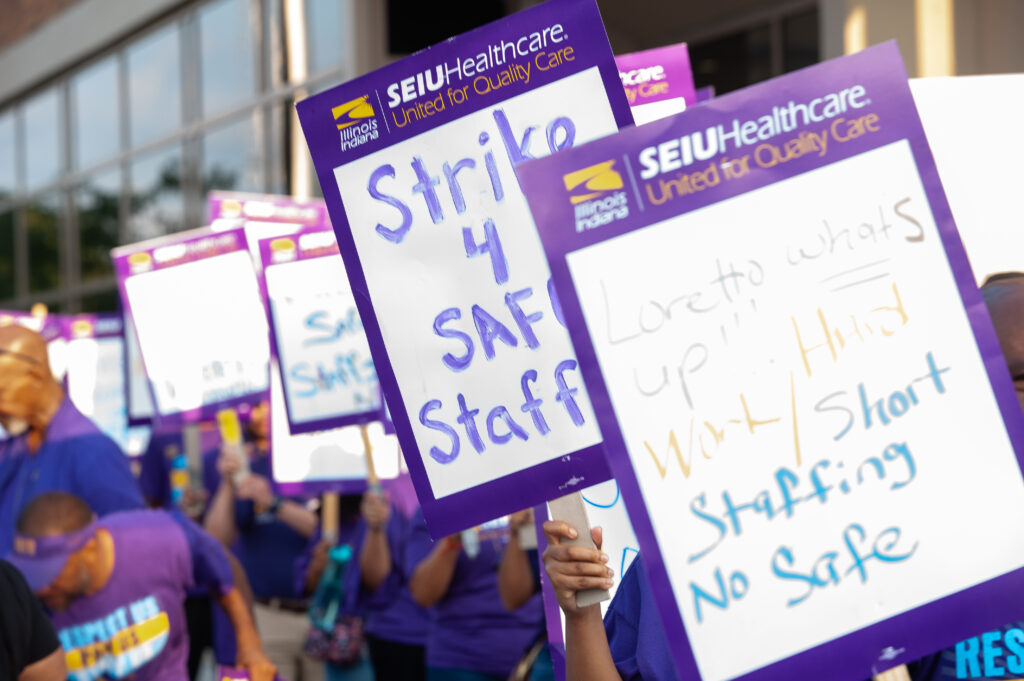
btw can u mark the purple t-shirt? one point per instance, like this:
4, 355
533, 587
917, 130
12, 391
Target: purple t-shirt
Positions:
76, 457
389, 612
471, 628
635, 635
135, 624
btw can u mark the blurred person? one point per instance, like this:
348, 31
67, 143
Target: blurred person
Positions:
309, 570
271, 532
518, 581
472, 636
29, 649
52, 446
377, 585
116, 587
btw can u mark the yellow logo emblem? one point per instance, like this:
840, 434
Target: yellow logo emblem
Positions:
593, 181
353, 112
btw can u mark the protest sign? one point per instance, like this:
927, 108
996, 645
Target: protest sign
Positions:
657, 82
138, 395
195, 304
263, 216
416, 163
96, 377
966, 119
317, 338
783, 341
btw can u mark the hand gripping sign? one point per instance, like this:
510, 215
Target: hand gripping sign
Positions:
416, 161
790, 361
202, 331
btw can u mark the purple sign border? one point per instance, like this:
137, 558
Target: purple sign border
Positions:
122, 269
215, 208
509, 493
913, 633
266, 258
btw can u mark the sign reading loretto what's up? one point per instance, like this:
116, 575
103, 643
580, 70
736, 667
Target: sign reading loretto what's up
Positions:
789, 361
416, 163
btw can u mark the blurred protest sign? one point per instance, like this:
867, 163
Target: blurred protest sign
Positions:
783, 340
195, 304
317, 337
96, 377
657, 82
416, 163
966, 119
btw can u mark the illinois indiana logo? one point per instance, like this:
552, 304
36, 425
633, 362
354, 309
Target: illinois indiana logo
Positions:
356, 122
596, 194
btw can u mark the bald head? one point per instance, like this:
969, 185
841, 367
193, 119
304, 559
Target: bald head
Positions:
54, 513
19, 344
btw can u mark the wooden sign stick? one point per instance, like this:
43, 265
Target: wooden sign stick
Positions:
329, 516
900, 673
371, 470
570, 509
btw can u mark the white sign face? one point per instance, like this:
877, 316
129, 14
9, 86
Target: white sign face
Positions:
325, 357
202, 331
330, 455
965, 137
495, 333
782, 464
96, 386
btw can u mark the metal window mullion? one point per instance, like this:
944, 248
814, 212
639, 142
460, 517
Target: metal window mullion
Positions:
776, 43
191, 101
124, 205
70, 247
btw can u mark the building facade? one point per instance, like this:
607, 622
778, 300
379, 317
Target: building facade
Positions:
118, 116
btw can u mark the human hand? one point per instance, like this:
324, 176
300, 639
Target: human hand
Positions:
317, 563
574, 568
519, 519
229, 462
257, 488
255, 661
375, 509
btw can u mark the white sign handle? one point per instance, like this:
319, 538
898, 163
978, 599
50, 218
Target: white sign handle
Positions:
570, 509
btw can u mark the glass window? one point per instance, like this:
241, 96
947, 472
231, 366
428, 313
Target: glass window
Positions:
232, 158
8, 156
7, 273
44, 231
324, 30
800, 40
97, 201
42, 139
157, 206
226, 55
733, 61
154, 85
105, 301
95, 118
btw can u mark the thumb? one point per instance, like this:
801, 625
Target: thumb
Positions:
597, 534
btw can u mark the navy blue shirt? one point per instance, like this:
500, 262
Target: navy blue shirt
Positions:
77, 458
997, 654
267, 547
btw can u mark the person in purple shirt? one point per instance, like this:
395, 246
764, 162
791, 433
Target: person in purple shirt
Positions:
377, 585
630, 644
472, 636
52, 445
116, 588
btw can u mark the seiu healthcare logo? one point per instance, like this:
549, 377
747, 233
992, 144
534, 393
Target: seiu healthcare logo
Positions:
592, 192
356, 122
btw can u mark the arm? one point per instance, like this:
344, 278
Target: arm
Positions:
375, 555
50, 667
250, 650
298, 517
570, 569
515, 577
433, 575
220, 515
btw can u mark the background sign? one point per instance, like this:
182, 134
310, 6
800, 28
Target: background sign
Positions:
318, 339
416, 161
657, 82
96, 377
195, 304
784, 341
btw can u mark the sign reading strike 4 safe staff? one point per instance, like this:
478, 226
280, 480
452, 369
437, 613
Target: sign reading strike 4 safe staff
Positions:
416, 161
798, 384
